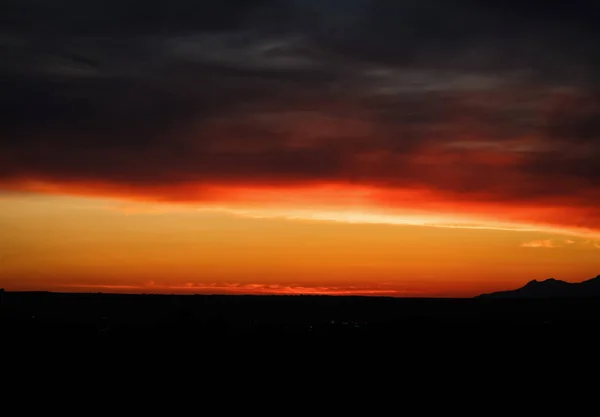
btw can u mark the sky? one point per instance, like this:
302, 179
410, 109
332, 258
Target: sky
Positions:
398, 148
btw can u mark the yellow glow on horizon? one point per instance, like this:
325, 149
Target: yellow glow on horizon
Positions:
81, 244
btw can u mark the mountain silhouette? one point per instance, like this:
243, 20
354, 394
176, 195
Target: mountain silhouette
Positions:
551, 288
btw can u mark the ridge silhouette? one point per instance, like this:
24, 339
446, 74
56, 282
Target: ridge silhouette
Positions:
550, 288
205, 319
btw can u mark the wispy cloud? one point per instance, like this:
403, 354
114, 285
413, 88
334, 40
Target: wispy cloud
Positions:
590, 244
549, 243
243, 288
546, 243
401, 218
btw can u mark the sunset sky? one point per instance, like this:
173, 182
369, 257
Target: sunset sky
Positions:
398, 148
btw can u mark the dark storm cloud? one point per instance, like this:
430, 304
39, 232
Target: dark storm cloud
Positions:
492, 100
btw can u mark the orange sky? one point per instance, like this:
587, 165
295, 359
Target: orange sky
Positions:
430, 148
76, 243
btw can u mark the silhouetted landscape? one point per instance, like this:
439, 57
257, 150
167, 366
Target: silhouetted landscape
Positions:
551, 288
549, 304
405, 151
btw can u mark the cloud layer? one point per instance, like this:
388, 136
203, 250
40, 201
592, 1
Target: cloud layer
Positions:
243, 288
483, 106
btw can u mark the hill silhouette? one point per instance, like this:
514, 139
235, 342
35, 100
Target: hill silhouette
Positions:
551, 288
209, 319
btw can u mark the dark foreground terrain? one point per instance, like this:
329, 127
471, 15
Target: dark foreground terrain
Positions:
202, 317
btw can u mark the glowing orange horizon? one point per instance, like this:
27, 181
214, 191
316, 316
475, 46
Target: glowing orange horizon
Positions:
375, 289
329, 239
343, 202
232, 289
